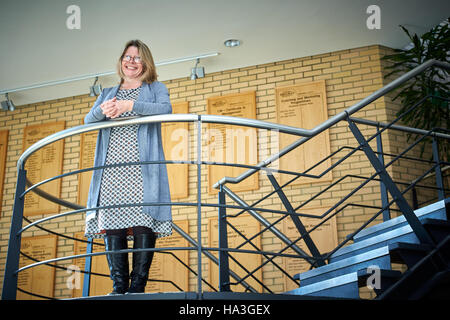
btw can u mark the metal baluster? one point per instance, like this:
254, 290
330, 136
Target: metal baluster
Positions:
224, 269
12, 258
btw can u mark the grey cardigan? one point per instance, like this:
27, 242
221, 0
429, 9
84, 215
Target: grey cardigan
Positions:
153, 99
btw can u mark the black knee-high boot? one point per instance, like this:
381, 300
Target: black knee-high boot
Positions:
141, 261
118, 263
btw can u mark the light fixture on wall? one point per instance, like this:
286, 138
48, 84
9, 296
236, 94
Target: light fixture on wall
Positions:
8, 104
197, 72
95, 89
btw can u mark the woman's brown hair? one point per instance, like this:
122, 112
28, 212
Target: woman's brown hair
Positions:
148, 65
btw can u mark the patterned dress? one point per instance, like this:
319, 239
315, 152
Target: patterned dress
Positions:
123, 184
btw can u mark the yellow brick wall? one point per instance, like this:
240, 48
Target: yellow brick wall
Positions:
350, 75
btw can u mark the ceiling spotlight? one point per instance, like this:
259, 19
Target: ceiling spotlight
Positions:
8, 104
197, 72
95, 89
230, 43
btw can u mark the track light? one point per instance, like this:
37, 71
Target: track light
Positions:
197, 72
95, 89
8, 104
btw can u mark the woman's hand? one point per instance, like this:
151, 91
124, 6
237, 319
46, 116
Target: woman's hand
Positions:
108, 107
113, 108
123, 106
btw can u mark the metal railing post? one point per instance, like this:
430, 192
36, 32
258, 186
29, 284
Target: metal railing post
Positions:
199, 207
87, 269
437, 170
408, 213
224, 266
383, 190
298, 224
9, 291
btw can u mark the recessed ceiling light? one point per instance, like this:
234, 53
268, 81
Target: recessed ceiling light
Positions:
232, 43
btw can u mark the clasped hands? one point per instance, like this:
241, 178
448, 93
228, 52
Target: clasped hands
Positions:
113, 108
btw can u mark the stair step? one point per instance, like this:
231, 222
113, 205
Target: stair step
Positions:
403, 234
378, 257
408, 253
344, 286
436, 210
347, 285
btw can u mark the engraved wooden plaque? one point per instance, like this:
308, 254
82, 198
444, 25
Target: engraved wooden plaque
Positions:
230, 143
324, 237
87, 154
3, 150
248, 226
304, 106
43, 164
175, 137
41, 279
99, 285
166, 267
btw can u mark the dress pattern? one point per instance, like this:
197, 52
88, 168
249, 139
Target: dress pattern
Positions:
123, 184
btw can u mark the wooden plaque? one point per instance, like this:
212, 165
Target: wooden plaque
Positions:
41, 279
304, 106
166, 267
87, 154
99, 285
43, 164
248, 226
175, 137
230, 143
3, 150
324, 237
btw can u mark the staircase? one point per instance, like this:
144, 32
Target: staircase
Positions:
367, 262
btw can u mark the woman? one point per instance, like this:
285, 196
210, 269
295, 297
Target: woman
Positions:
138, 94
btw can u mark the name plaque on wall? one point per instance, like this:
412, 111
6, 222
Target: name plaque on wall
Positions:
304, 106
175, 137
41, 279
3, 150
43, 164
248, 226
230, 143
324, 237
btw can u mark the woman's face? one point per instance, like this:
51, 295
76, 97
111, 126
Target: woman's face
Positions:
131, 69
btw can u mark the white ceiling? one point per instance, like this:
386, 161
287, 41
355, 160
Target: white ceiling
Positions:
37, 47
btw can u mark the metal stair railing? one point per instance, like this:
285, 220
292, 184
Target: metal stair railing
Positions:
317, 259
376, 161
386, 205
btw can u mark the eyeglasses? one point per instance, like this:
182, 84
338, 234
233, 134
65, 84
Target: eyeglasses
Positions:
136, 59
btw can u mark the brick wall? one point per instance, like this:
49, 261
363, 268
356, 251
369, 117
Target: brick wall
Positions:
350, 75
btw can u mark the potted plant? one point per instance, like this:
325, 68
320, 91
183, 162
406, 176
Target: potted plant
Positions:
434, 112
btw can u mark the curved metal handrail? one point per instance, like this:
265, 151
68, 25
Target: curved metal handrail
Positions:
156, 119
